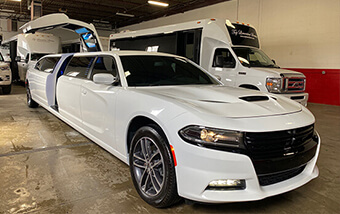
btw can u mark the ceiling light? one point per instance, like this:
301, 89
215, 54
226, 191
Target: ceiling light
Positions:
158, 3
125, 14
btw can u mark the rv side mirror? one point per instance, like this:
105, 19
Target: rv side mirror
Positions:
219, 61
274, 61
18, 58
104, 78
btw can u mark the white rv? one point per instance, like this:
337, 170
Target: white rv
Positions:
230, 51
28, 48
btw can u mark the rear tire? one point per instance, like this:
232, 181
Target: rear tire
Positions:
30, 102
6, 89
152, 167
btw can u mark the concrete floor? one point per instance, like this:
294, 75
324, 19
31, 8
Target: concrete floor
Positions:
47, 167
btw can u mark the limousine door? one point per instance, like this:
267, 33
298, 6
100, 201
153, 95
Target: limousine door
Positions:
98, 101
69, 85
87, 32
39, 76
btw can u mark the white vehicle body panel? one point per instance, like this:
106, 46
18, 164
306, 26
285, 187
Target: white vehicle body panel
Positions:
103, 113
38, 43
60, 20
216, 36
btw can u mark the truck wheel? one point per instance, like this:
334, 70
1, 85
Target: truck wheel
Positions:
6, 89
152, 167
30, 102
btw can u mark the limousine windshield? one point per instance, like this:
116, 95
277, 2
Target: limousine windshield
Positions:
160, 70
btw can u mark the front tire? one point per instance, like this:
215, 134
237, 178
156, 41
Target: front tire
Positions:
30, 102
152, 167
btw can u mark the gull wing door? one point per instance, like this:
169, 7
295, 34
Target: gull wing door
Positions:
87, 32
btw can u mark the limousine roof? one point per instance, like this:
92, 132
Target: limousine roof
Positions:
115, 52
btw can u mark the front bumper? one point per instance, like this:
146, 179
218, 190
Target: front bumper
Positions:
301, 98
198, 166
5, 78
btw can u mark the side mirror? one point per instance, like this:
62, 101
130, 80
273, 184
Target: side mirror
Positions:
104, 78
274, 61
26, 61
219, 61
18, 58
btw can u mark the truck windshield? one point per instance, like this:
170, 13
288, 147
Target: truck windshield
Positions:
161, 70
252, 57
37, 56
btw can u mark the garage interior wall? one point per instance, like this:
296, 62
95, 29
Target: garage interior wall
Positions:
300, 35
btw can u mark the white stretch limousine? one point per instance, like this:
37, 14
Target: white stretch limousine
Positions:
181, 131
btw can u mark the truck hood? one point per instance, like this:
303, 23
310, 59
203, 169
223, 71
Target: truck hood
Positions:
276, 71
225, 101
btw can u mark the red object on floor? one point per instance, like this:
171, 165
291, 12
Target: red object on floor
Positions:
323, 85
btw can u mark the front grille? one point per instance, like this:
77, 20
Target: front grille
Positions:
294, 84
279, 151
273, 178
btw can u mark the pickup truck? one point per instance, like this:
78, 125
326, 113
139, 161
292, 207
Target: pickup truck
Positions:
5, 76
182, 133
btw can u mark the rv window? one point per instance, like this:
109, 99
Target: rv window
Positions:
79, 67
104, 64
223, 58
243, 35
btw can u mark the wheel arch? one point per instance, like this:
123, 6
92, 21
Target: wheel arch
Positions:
138, 122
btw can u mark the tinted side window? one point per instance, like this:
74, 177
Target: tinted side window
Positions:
49, 63
79, 67
104, 64
223, 58
38, 64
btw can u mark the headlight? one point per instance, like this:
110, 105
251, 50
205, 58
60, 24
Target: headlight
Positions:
274, 85
211, 137
4, 68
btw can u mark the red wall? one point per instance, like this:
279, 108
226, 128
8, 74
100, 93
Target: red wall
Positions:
322, 88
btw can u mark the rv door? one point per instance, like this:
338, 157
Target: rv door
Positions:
87, 32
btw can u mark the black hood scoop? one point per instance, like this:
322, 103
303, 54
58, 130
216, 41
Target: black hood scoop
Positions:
254, 98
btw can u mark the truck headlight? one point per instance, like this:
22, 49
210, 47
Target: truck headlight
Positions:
274, 85
212, 137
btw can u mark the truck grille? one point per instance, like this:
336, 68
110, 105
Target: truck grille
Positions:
275, 154
294, 84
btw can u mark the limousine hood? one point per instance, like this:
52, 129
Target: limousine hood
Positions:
226, 101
